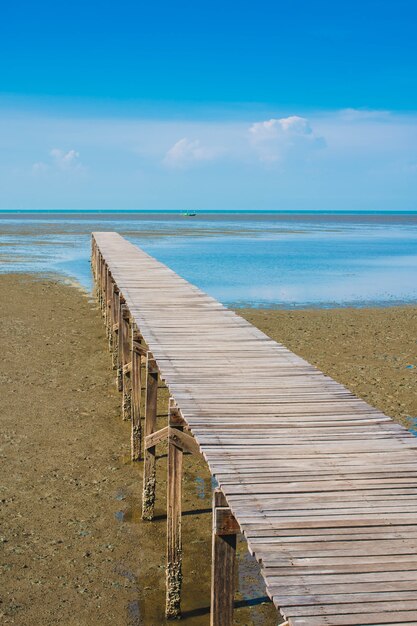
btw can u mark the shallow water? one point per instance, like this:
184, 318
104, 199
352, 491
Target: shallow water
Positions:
284, 260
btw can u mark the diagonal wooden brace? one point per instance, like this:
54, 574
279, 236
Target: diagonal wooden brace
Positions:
175, 436
157, 437
183, 441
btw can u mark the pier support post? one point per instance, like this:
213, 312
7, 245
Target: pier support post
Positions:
94, 262
99, 277
103, 286
120, 329
149, 466
136, 380
96, 270
223, 568
125, 353
110, 315
110, 312
115, 326
174, 541
107, 309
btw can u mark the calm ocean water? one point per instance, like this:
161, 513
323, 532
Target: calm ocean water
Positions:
269, 259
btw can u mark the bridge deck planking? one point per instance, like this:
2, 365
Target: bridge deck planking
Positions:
322, 485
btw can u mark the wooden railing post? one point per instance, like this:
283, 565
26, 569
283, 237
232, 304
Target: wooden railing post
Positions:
223, 568
174, 541
149, 466
136, 380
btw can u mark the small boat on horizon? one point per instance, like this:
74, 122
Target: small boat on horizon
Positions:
189, 214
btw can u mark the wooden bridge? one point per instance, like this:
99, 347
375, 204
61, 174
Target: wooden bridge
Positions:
322, 485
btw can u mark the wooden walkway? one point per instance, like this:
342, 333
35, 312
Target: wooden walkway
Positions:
322, 485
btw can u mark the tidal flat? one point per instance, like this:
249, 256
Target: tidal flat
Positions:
73, 547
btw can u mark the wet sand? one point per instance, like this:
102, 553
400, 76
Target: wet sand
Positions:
73, 548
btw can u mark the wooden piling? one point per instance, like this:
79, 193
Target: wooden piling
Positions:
102, 285
99, 277
126, 360
115, 327
223, 572
110, 315
120, 343
149, 465
109, 295
136, 380
174, 541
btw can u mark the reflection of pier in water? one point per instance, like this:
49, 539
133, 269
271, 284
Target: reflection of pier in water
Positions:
321, 485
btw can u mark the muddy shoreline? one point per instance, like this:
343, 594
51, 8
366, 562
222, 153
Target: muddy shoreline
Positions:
74, 550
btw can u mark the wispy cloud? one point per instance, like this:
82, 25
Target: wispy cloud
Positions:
186, 152
359, 115
60, 160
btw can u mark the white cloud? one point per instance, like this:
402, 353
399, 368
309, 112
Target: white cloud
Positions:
275, 138
65, 160
369, 161
60, 160
186, 152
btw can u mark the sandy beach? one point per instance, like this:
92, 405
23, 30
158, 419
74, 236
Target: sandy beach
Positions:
73, 547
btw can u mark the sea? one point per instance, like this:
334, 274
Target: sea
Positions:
260, 259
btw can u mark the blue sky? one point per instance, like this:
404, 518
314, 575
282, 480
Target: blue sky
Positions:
220, 105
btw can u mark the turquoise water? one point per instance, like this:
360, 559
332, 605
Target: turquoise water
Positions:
272, 259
